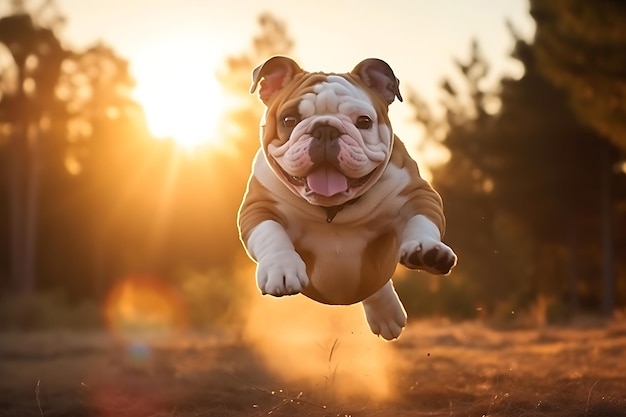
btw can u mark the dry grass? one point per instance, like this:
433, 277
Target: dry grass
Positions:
435, 369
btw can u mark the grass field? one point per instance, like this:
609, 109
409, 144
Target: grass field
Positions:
292, 368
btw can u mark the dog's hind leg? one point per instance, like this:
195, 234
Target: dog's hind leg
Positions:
385, 313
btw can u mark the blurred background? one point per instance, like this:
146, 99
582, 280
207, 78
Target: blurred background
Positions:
127, 133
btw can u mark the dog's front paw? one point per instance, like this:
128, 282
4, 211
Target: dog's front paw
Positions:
282, 273
429, 255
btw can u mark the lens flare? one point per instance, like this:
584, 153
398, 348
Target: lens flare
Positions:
143, 306
139, 353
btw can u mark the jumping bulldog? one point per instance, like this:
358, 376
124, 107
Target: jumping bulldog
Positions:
334, 200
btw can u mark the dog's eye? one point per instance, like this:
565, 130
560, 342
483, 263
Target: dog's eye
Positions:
363, 122
290, 121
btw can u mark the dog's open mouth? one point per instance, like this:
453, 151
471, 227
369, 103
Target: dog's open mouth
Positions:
327, 181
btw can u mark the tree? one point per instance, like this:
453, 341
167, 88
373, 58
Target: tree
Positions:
116, 201
521, 188
235, 78
580, 48
26, 112
477, 227
556, 167
67, 118
105, 144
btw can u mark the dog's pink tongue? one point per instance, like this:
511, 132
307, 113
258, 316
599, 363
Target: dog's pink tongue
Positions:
327, 181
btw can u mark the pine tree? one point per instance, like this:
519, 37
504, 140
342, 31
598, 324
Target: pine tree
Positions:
551, 182
521, 189
580, 47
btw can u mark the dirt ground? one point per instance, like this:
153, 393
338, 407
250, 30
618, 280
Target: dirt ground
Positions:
439, 369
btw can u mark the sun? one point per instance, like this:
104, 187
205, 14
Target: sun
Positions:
178, 91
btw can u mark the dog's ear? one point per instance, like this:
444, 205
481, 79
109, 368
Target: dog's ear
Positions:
379, 76
273, 75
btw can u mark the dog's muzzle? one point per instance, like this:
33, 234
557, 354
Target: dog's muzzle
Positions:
325, 148
326, 177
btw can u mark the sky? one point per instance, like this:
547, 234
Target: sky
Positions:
418, 38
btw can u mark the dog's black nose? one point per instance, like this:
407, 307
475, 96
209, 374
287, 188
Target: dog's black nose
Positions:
326, 148
325, 132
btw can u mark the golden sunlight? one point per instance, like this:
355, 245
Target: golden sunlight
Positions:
177, 88
330, 346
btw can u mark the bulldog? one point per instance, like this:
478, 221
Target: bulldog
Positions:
334, 201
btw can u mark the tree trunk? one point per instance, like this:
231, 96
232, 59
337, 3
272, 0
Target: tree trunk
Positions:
31, 205
572, 268
16, 176
608, 271
24, 160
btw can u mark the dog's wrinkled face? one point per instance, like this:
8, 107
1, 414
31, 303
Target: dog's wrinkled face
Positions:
330, 144
326, 136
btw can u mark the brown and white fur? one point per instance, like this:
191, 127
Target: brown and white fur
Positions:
335, 201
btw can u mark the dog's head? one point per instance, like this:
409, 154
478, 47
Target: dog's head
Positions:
326, 136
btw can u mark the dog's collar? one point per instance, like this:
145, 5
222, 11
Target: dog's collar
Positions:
332, 211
